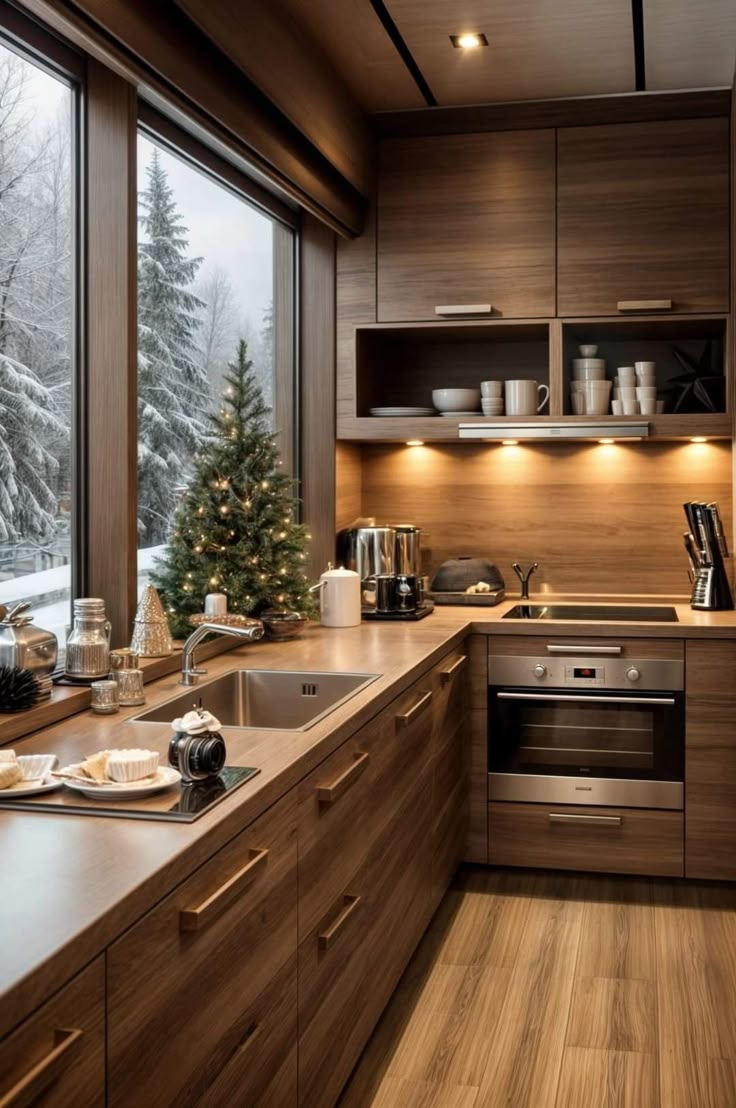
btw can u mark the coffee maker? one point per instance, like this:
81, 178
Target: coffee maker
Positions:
387, 559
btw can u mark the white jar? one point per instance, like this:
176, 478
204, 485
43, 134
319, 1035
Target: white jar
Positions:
339, 601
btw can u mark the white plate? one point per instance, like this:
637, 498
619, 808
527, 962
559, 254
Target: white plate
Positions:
30, 788
454, 415
402, 411
165, 778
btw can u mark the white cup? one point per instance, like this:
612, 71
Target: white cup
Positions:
616, 407
627, 392
645, 367
626, 372
577, 401
490, 389
597, 395
590, 373
648, 407
646, 379
629, 405
646, 392
522, 397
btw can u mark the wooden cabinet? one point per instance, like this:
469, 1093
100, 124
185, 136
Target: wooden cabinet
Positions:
450, 739
56, 1058
643, 216
201, 991
603, 840
710, 760
467, 219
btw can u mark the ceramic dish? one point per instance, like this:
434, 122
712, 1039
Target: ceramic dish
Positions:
29, 787
164, 778
402, 411
454, 415
36, 767
457, 401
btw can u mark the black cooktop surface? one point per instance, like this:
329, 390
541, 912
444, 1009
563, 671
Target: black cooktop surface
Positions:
594, 613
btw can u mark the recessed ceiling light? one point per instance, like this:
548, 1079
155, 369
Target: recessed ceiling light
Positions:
469, 40
698, 438
606, 442
509, 442
415, 442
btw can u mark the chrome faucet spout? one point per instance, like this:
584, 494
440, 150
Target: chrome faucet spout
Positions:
190, 674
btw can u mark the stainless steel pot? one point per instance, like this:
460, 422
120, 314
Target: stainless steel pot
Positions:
408, 550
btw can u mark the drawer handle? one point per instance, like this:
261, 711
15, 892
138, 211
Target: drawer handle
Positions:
327, 937
33, 1083
644, 305
406, 718
579, 648
328, 794
590, 821
463, 309
194, 919
448, 674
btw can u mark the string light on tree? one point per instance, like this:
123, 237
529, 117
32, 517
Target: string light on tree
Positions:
244, 505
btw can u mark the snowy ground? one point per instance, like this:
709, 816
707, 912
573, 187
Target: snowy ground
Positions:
50, 593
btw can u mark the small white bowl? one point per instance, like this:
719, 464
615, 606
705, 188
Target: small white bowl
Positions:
456, 400
588, 351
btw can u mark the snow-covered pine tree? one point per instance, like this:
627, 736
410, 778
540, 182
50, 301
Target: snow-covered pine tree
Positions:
173, 392
234, 531
28, 421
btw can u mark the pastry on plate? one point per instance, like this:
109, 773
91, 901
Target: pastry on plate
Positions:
10, 774
95, 766
131, 765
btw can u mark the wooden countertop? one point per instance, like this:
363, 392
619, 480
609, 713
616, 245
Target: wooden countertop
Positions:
71, 883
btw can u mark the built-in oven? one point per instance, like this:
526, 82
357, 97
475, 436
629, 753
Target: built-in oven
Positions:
584, 725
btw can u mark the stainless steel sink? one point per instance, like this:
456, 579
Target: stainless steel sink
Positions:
271, 700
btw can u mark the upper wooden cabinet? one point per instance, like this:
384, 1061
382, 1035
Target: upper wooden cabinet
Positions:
467, 219
643, 216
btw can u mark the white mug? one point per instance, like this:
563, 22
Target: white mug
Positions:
490, 389
522, 397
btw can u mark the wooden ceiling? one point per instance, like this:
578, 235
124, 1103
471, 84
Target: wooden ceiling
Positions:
538, 49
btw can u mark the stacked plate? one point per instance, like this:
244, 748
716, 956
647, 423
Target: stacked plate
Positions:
406, 412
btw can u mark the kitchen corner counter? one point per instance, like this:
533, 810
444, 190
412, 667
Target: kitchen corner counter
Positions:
72, 883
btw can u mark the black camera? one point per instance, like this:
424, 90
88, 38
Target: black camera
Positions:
197, 757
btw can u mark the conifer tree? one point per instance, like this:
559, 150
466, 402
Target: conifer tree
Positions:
173, 392
234, 530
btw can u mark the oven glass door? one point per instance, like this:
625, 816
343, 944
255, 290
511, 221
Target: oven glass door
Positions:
586, 734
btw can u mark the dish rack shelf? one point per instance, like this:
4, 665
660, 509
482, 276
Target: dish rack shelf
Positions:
400, 365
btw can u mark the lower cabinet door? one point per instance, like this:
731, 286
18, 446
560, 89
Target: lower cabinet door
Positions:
189, 1006
56, 1057
604, 840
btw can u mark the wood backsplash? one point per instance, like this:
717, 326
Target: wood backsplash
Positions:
604, 519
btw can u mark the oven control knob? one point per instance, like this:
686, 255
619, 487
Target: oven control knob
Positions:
633, 674
539, 670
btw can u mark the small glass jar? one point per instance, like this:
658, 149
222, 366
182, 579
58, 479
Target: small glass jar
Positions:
104, 697
130, 687
88, 645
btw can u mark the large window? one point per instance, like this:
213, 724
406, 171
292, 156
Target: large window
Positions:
37, 337
212, 268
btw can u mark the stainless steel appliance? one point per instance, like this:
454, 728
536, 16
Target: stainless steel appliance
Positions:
388, 561
22, 644
707, 550
595, 613
584, 725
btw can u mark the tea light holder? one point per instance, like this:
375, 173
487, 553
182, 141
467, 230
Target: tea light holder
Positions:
104, 697
130, 687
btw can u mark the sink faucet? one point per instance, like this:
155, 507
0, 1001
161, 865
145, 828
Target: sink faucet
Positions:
190, 674
524, 577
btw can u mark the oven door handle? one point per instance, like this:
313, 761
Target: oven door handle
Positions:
583, 649
659, 701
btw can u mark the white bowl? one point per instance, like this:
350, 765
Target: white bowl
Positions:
456, 400
588, 351
589, 363
592, 373
34, 766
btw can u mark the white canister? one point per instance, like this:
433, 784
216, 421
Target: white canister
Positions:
339, 598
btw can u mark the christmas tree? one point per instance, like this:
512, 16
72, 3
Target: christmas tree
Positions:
234, 531
172, 383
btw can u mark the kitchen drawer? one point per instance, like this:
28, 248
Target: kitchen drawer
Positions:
56, 1057
348, 801
605, 840
182, 982
451, 689
535, 646
261, 1066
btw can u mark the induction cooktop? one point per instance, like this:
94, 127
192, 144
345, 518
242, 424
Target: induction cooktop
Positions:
594, 613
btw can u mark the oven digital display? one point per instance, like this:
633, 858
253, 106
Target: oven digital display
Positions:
584, 673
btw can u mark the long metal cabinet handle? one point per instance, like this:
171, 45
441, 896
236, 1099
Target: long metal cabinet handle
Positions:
327, 937
194, 919
579, 648
644, 305
405, 718
463, 309
37, 1079
449, 673
597, 821
661, 701
328, 794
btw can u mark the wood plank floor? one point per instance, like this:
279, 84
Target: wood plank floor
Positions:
541, 990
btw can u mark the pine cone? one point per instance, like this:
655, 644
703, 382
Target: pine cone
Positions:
19, 689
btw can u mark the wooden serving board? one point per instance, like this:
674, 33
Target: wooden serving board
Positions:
482, 599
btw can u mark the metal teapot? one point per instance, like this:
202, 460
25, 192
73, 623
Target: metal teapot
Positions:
26, 646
